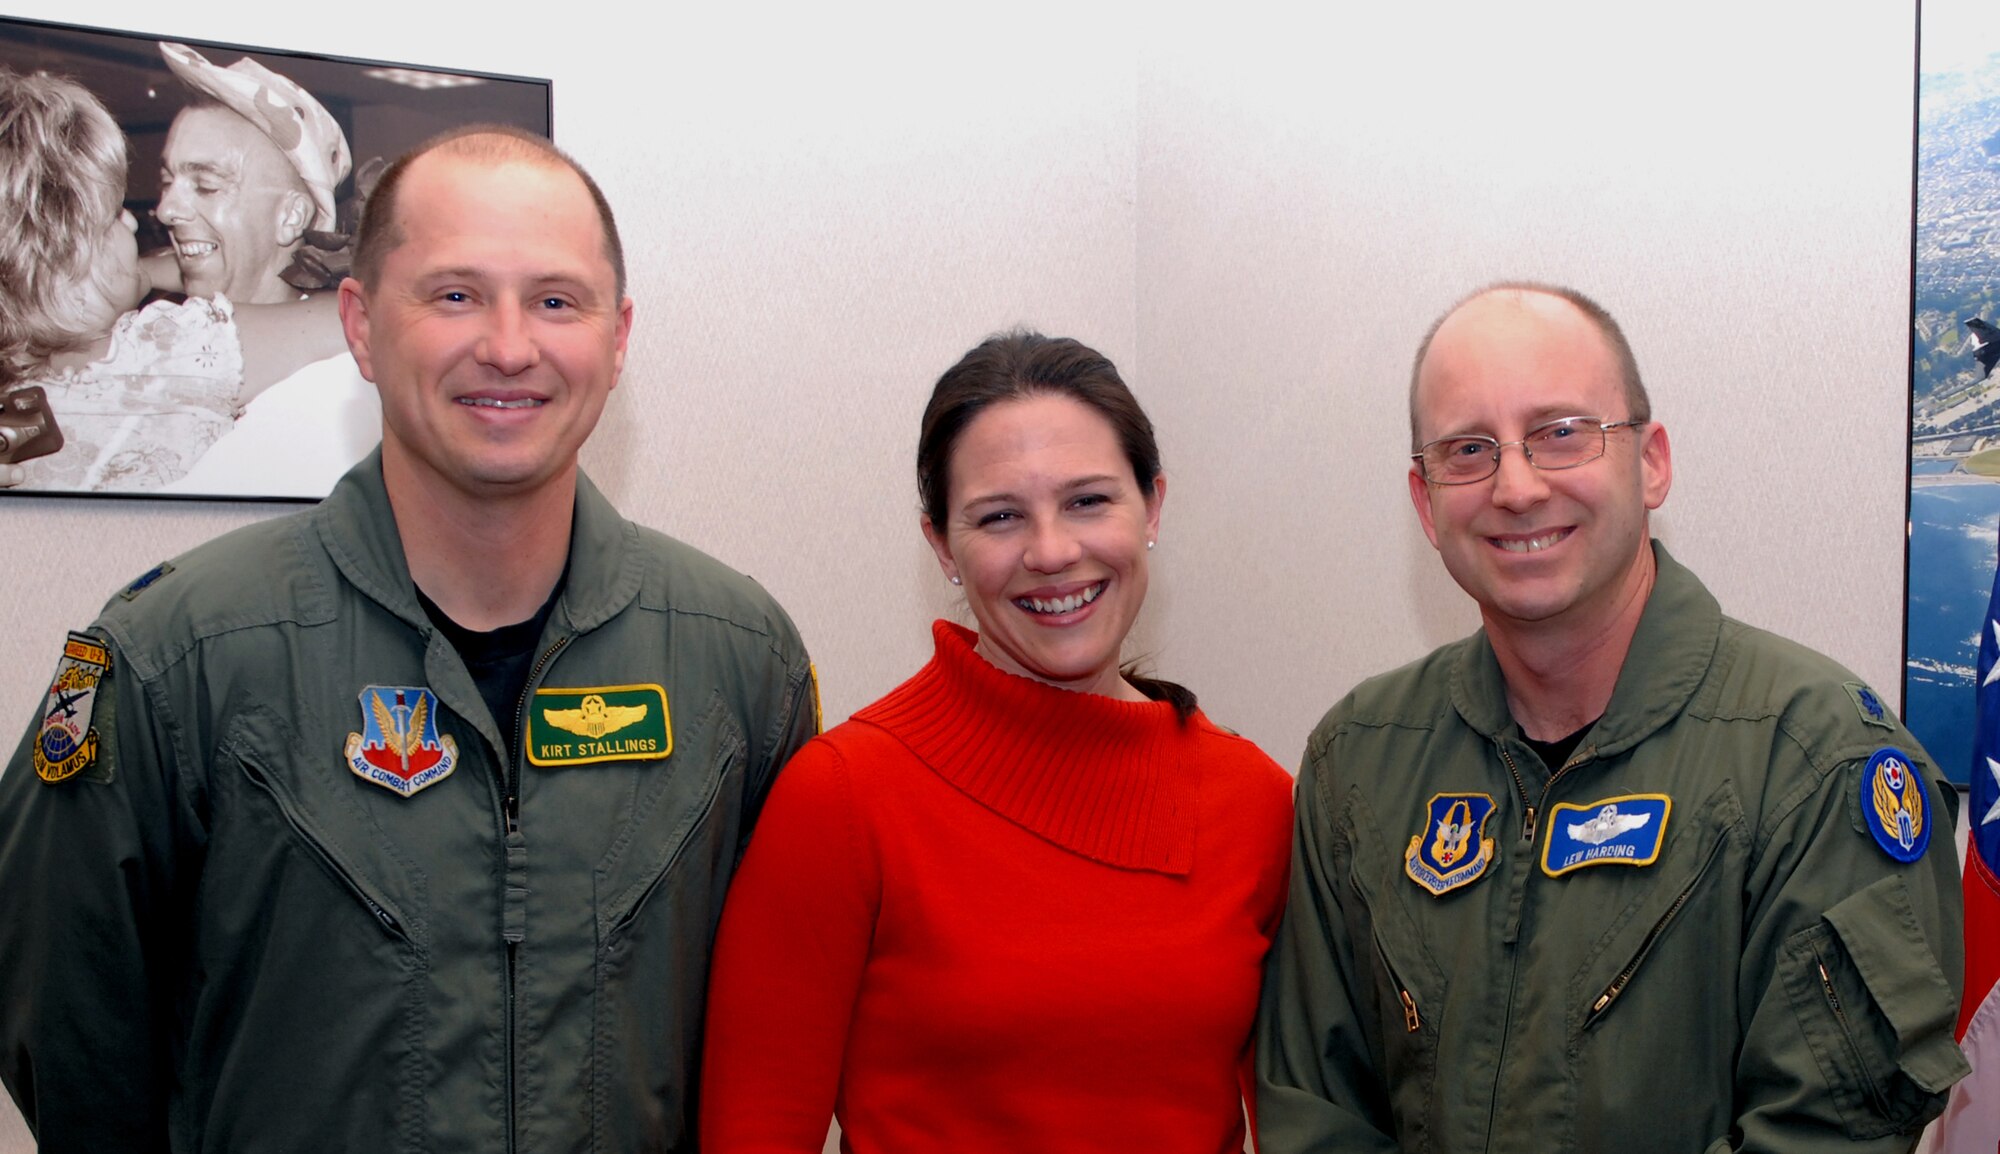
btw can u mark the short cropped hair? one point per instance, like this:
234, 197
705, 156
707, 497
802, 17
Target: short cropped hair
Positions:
1636, 400
381, 233
62, 182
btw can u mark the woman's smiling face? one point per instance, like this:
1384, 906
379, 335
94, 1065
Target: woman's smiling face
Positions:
1047, 528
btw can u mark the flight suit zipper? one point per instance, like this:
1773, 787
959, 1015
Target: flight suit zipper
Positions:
1411, 1022
514, 884
1624, 978
1517, 905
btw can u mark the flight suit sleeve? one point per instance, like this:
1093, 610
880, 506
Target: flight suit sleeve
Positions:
1850, 977
1318, 1087
86, 894
795, 721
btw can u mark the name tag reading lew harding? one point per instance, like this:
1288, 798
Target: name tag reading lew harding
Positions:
1625, 830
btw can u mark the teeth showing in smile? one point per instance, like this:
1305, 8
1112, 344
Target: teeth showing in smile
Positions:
1531, 544
192, 248
491, 403
1058, 605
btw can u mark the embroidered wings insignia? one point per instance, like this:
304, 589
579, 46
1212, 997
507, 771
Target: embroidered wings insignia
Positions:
1608, 823
593, 718
1899, 803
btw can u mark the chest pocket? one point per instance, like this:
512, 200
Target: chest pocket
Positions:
659, 895
1679, 904
313, 939
670, 821
315, 800
1408, 989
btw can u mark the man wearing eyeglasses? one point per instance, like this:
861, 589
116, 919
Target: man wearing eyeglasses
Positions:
1616, 872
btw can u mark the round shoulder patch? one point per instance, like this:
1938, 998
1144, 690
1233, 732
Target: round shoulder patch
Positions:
1894, 804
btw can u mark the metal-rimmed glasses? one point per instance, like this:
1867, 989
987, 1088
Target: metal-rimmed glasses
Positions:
1560, 444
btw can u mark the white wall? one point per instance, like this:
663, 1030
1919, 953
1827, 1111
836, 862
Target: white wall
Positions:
1731, 180
1255, 216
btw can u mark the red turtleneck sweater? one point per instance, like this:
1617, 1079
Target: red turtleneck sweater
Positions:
987, 914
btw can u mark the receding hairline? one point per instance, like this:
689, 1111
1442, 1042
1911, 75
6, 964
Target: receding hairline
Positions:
490, 145
1596, 315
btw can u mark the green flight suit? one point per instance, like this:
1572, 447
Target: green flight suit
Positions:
1772, 981
220, 936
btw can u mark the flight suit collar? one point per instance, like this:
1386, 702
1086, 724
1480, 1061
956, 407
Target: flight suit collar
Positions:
358, 528
1671, 652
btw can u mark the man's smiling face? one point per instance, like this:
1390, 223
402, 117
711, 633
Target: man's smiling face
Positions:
234, 205
1531, 545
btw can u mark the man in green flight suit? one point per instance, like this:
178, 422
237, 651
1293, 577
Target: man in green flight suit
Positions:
1616, 873
404, 823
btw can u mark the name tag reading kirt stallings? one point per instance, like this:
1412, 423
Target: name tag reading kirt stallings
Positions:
599, 723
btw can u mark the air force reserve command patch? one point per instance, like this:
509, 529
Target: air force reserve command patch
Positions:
1453, 850
1625, 830
1893, 803
65, 743
399, 747
599, 723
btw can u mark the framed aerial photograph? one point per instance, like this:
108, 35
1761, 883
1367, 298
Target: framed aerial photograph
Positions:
1954, 393
177, 216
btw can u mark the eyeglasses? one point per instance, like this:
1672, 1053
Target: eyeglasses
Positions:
1562, 444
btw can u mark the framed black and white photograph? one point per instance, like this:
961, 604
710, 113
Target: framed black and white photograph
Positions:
177, 215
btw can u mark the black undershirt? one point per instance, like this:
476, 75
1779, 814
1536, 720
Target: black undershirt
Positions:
1555, 753
498, 659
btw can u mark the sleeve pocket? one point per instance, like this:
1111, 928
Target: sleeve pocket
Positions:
1877, 1011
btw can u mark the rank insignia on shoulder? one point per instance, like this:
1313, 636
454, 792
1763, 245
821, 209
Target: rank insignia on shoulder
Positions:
1893, 802
1625, 830
1453, 850
144, 580
399, 747
65, 743
1869, 705
599, 723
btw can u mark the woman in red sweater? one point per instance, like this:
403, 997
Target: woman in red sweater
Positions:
1022, 902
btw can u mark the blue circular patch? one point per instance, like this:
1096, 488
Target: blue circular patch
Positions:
1895, 805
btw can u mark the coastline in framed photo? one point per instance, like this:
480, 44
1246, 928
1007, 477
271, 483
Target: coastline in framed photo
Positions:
1954, 393
177, 215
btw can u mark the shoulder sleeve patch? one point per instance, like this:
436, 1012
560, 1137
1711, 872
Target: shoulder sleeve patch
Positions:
1895, 804
66, 744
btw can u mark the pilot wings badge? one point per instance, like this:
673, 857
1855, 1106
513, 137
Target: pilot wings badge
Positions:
399, 747
1892, 800
1453, 849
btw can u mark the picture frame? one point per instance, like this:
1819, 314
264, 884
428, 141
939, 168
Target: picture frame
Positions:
229, 378
1954, 447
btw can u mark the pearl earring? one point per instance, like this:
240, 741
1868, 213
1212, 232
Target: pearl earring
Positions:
956, 581
1149, 546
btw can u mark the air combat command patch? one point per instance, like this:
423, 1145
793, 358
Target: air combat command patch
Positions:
65, 743
399, 747
599, 723
1453, 850
1625, 830
1892, 801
